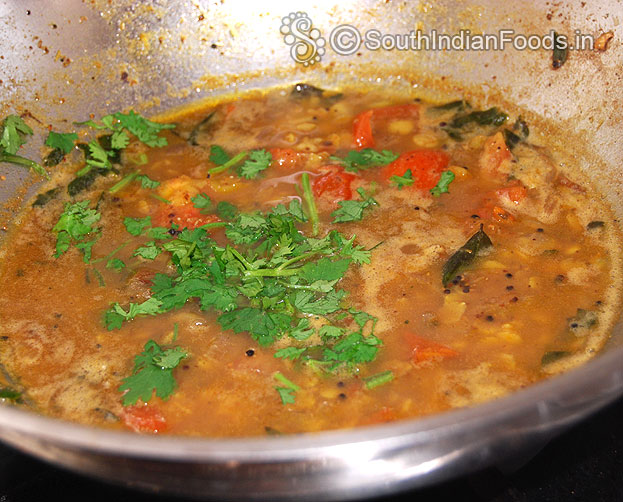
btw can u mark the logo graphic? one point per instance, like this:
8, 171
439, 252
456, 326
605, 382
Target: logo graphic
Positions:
306, 44
345, 40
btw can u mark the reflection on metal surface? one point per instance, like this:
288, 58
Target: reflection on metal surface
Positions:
158, 55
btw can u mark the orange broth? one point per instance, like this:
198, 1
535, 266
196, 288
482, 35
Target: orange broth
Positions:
538, 301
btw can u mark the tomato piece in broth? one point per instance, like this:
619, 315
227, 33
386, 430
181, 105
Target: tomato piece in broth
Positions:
334, 183
425, 166
184, 216
144, 418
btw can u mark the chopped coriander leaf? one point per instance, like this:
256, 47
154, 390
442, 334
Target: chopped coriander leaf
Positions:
302, 331
149, 251
353, 349
287, 393
119, 140
116, 315
65, 142
203, 202
153, 371
14, 130
247, 228
136, 226
306, 301
144, 129
159, 233
379, 379
324, 269
365, 159
406, 180
98, 156
230, 163
147, 182
139, 160
226, 211
327, 332
350, 250
74, 224
310, 202
257, 161
352, 210
86, 247
115, 263
12, 137
266, 286
362, 318
447, 177
10, 394
265, 327
218, 156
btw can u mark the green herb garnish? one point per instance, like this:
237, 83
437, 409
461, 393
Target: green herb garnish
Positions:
264, 282
65, 142
120, 124
287, 393
447, 177
115, 317
406, 180
203, 202
310, 202
74, 225
257, 161
136, 226
12, 136
352, 210
218, 156
365, 159
10, 394
379, 379
153, 372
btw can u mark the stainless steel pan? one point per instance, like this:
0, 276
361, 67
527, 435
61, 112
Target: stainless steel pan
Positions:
65, 59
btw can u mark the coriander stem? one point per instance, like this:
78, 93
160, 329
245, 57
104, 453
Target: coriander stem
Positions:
161, 199
308, 195
214, 225
231, 162
241, 259
286, 382
295, 259
112, 253
100, 278
270, 272
378, 379
376, 246
24, 162
296, 286
123, 182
